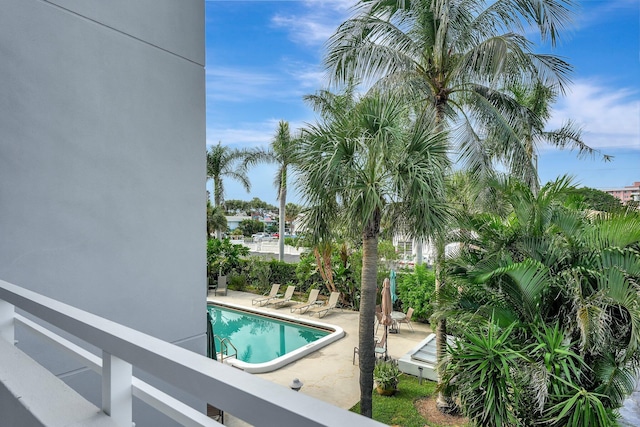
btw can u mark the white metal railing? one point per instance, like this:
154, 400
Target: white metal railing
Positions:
247, 397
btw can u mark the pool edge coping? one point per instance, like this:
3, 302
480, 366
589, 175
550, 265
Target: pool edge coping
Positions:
279, 362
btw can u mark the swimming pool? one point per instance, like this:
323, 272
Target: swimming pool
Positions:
267, 341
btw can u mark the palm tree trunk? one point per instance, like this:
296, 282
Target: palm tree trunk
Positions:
443, 402
367, 315
217, 199
283, 202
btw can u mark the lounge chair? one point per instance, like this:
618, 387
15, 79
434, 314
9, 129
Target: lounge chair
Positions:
264, 299
407, 319
322, 310
286, 299
222, 286
313, 296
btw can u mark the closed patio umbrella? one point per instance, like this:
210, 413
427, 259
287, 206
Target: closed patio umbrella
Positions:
211, 344
392, 279
387, 307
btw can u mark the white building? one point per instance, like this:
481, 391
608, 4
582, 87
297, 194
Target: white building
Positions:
234, 221
102, 124
102, 144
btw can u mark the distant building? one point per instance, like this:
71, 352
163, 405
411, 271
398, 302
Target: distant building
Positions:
626, 194
234, 221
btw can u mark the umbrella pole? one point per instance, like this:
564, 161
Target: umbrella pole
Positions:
386, 343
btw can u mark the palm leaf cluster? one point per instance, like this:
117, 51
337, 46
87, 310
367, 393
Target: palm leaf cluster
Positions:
545, 303
470, 60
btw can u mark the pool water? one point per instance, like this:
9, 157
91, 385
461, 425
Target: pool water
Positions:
258, 338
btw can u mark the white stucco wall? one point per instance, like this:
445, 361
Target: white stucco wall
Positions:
102, 167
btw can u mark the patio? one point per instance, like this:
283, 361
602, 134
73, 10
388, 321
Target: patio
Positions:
328, 374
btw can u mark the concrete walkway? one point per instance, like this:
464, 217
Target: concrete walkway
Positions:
328, 374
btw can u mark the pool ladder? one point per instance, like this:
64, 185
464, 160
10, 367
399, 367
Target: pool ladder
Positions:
225, 343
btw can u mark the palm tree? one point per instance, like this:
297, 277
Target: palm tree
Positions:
215, 219
291, 212
282, 152
224, 162
564, 284
537, 99
359, 166
453, 56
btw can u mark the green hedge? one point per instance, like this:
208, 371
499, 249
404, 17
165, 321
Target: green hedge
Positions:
257, 275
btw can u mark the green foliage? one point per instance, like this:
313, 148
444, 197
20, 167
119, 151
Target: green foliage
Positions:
416, 289
248, 227
215, 219
237, 282
346, 283
345, 277
583, 408
593, 199
483, 367
386, 374
291, 211
259, 274
306, 270
223, 256
282, 272
235, 207
400, 408
386, 250
563, 282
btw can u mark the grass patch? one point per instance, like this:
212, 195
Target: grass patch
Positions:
399, 408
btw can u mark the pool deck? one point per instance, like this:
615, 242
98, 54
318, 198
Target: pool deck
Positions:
328, 374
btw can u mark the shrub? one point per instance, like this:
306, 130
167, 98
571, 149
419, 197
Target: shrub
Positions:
237, 282
416, 290
386, 374
307, 272
282, 272
223, 257
259, 274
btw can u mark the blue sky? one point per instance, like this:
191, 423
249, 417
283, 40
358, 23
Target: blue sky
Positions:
263, 56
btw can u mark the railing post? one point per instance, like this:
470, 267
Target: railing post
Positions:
117, 376
7, 315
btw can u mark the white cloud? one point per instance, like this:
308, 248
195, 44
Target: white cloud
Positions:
610, 117
306, 30
602, 10
247, 135
317, 23
240, 85
235, 84
337, 5
309, 77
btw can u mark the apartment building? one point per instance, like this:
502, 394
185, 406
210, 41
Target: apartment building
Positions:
626, 194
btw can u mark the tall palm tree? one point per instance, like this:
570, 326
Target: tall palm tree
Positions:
225, 162
359, 166
453, 56
282, 151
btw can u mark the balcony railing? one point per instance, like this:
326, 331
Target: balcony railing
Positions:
249, 398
